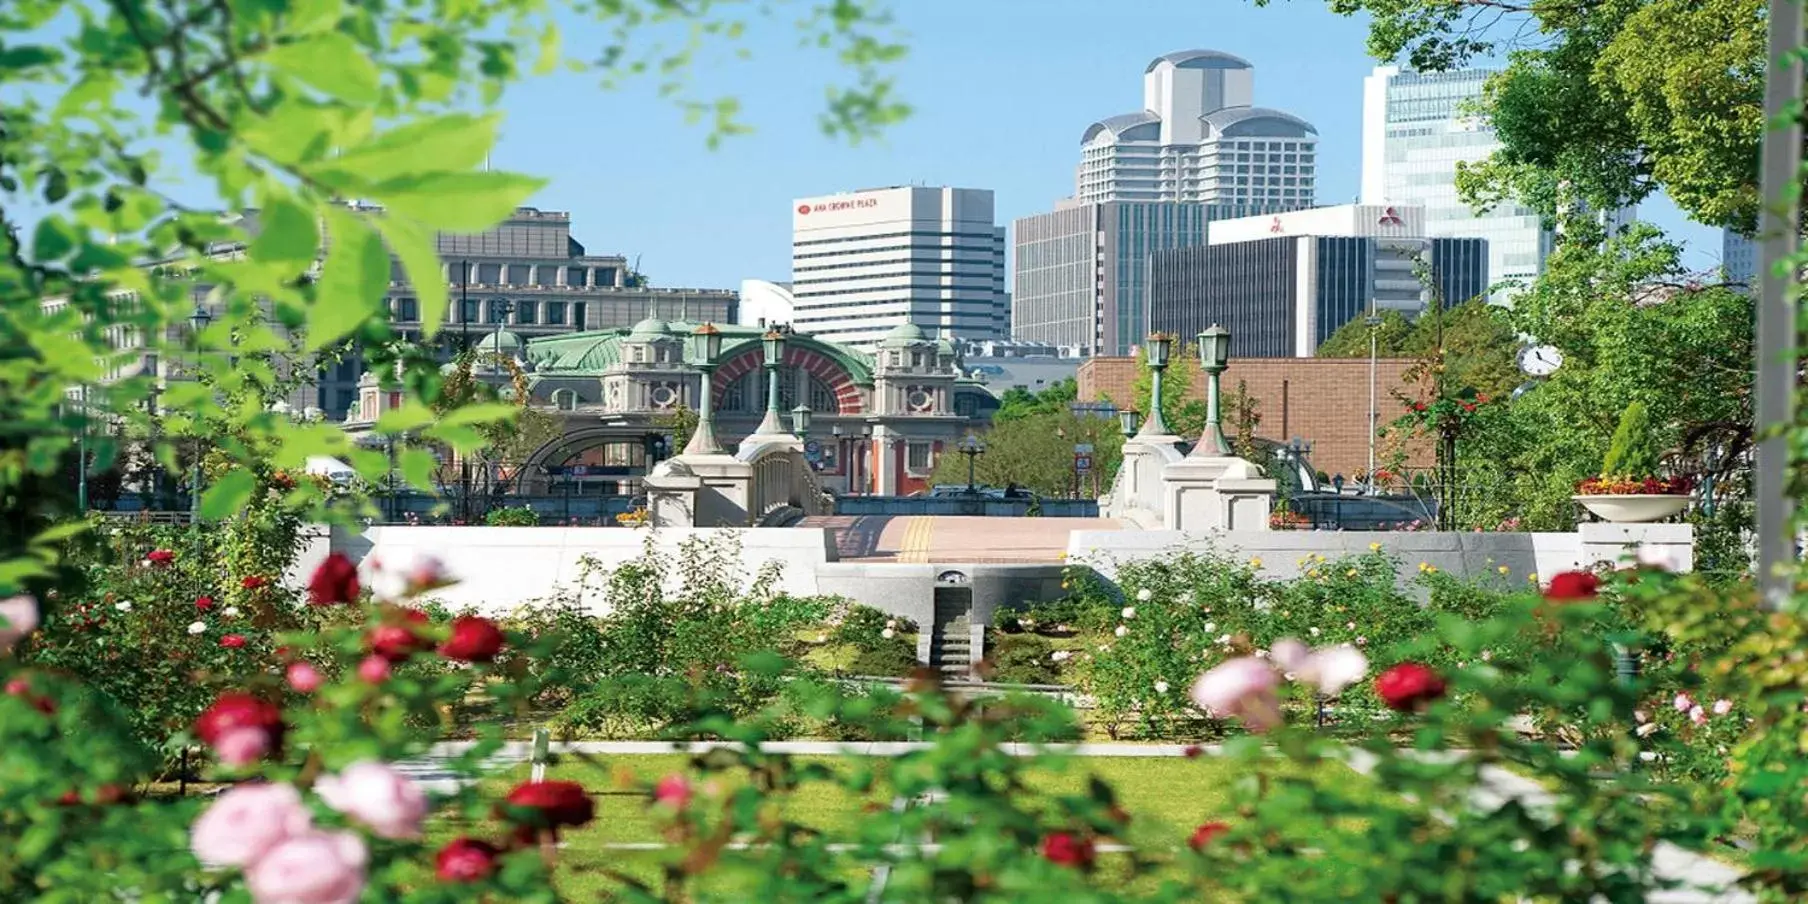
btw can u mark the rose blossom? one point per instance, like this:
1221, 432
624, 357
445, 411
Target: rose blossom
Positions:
1243, 687
233, 641
1121, 631
203, 603
1698, 715
1573, 586
375, 794
888, 634
674, 791
247, 820
1408, 686
18, 618
159, 557
230, 612
313, 868
335, 580
1683, 703
1068, 849
303, 677
1129, 612
253, 581
123, 606
1161, 687
1144, 595
374, 669
474, 639
197, 627
240, 728
466, 860
1204, 835
399, 638
1722, 707
548, 805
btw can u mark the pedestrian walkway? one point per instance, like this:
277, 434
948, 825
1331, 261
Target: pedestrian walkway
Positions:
952, 538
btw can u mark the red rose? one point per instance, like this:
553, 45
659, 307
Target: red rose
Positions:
1068, 849
253, 581
103, 795
335, 581
232, 641
466, 860
1203, 835
203, 603
1573, 586
548, 805
1418, 406
240, 726
160, 557
1193, 751
400, 638
1481, 398
1408, 686
474, 639
21, 687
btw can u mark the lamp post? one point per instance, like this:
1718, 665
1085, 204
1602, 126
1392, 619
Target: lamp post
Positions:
464, 286
774, 344
1126, 421
973, 449
1297, 450
800, 421
198, 321
703, 439
863, 466
1159, 346
1374, 324
1214, 357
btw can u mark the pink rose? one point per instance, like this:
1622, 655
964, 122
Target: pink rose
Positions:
242, 746
1683, 703
1244, 688
1698, 715
312, 868
18, 618
246, 821
378, 796
304, 678
673, 791
374, 669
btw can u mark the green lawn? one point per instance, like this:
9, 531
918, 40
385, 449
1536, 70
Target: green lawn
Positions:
1166, 796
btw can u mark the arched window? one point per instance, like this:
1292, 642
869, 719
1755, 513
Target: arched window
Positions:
822, 398
565, 399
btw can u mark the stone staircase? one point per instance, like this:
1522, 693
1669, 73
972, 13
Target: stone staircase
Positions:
951, 648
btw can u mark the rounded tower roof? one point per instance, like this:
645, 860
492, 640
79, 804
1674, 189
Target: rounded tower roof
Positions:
1199, 59
649, 329
903, 335
499, 342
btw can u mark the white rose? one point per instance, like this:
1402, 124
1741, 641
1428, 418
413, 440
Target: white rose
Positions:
1121, 631
230, 612
1143, 595
1722, 707
1224, 639
197, 627
123, 606
1210, 626
1161, 687
888, 634
1129, 611
1312, 631
1362, 641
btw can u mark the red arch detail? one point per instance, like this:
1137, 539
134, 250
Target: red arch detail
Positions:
815, 363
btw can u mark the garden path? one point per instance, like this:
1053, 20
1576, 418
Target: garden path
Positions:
952, 538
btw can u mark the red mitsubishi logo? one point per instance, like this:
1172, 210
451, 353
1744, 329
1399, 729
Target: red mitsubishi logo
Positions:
1389, 218
1275, 226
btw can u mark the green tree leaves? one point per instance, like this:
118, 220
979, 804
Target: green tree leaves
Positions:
288, 233
332, 63
352, 282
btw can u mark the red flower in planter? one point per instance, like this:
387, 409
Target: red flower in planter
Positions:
1204, 835
203, 603
466, 860
254, 581
1573, 586
1408, 686
474, 639
1068, 849
548, 805
232, 641
160, 557
241, 728
334, 581
399, 637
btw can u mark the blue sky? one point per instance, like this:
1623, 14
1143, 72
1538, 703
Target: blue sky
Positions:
1002, 90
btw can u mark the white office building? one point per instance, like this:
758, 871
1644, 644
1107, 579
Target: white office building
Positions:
1416, 128
867, 261
1739, 258
1199, 137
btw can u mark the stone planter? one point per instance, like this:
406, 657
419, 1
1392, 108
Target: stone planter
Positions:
1634, 508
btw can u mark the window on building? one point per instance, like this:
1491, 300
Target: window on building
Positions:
407, 310
605, 276
518, 275
499, 311
526, 311
917, 458
555, 313
577, 314
469, 312
489, 274
575, 276
822, 398
565, 400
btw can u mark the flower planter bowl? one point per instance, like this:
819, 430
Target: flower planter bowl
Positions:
1634, 508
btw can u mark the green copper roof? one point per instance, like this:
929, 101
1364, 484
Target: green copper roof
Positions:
650, 329
593, 351
903, 335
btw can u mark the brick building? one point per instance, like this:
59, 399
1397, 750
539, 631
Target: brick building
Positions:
1322, 400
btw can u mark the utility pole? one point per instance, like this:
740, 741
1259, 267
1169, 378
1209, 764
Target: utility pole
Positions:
1778, 231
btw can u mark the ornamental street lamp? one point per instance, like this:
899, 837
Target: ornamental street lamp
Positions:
800, 421
1126, 421
973, 449
1160, 344
774, 344
1214, 357
703, 439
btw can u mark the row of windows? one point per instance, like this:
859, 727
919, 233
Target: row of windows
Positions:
978, 255
989, 236
460, 272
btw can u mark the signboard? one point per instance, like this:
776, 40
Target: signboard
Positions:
1082, 463
590, 471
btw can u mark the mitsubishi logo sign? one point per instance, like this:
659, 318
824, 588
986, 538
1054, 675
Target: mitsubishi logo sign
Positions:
1390, 218
1276, 225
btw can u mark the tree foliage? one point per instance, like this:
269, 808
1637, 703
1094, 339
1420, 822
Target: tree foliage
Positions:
1019, 402
1036, 452
1182, 406
1480, 344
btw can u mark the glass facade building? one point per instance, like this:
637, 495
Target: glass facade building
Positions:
1081, 273
1283, 297
1416, 128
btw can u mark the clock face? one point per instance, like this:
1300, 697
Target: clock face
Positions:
1540, 360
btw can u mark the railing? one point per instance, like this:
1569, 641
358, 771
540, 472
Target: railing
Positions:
988, 506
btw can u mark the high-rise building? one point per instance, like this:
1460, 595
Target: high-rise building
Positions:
1283, 283
1416, 128
1739, 258
1081, 270
1198, 137
865, 262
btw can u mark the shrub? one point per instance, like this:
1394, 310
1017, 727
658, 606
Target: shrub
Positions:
512, 516
1020, 659
1632, 454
